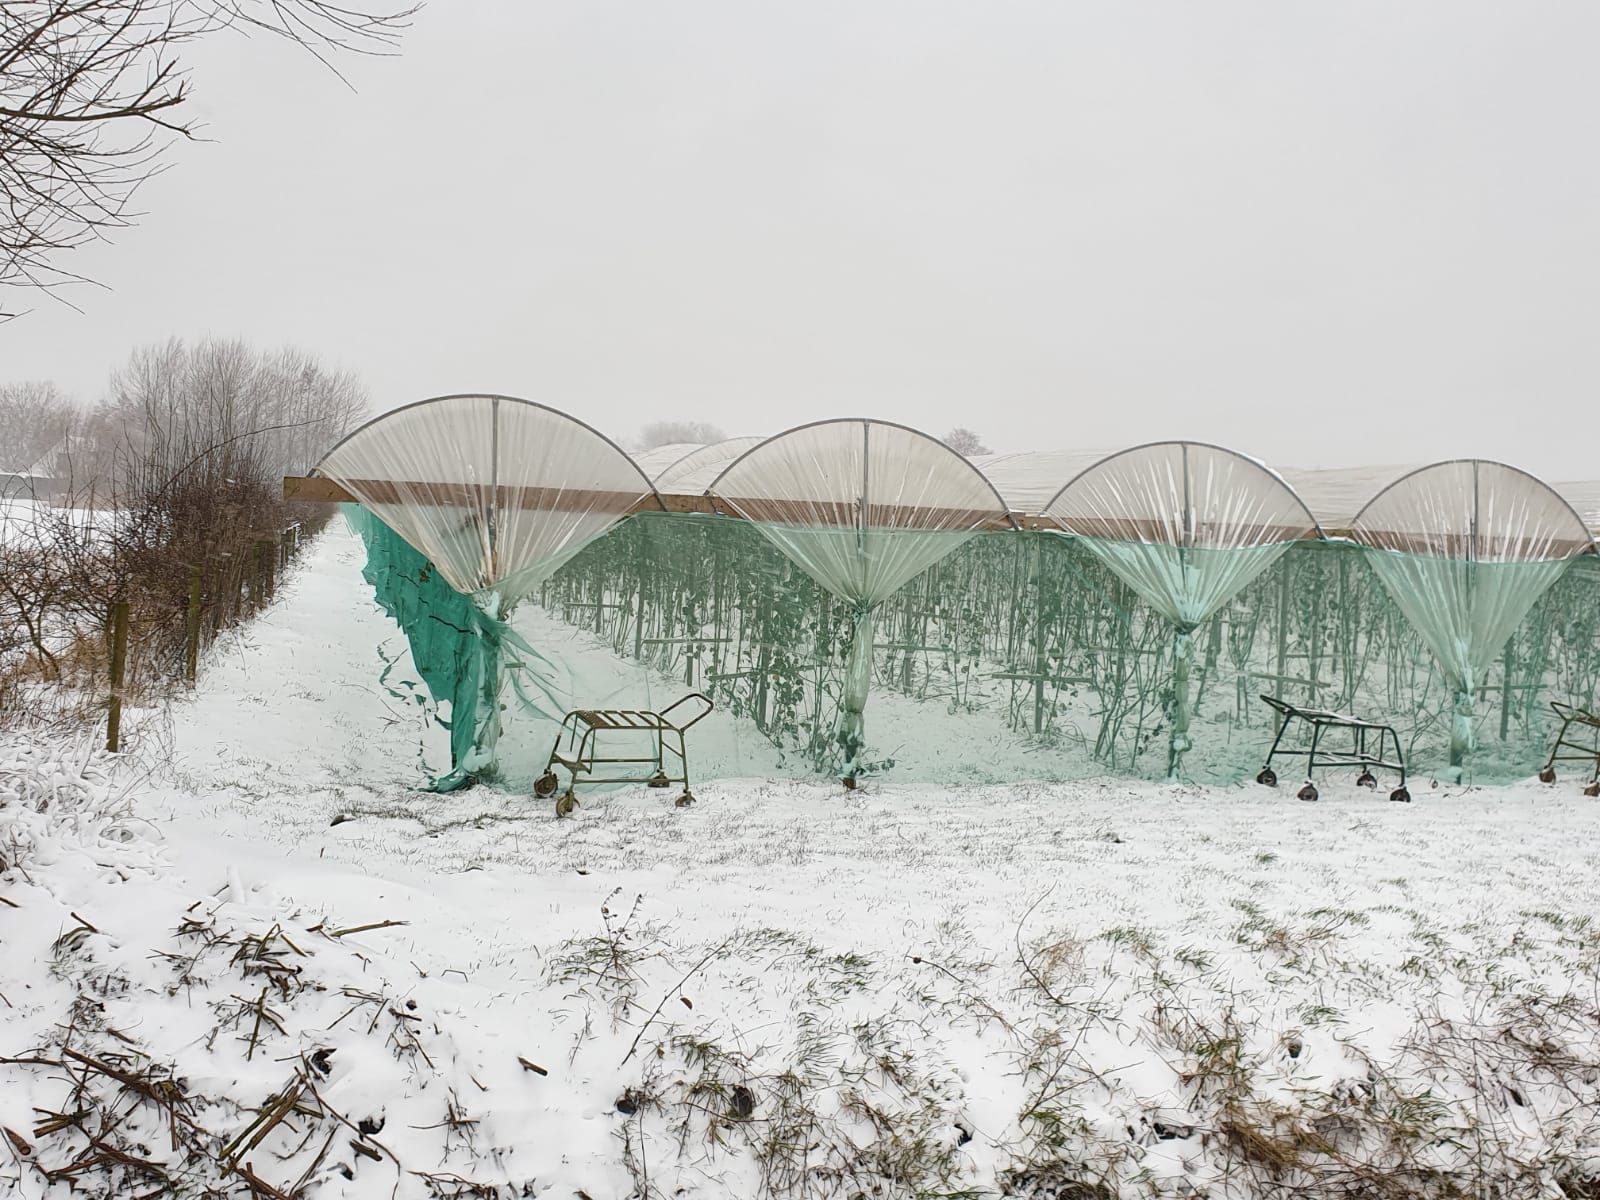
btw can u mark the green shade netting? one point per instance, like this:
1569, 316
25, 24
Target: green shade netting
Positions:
489, 495
1023, 656
862, 507
459, 650
1186, 585
1464, 612
1466, 549
1187, 526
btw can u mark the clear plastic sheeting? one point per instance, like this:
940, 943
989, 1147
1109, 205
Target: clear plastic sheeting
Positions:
692, 473
1465, 549
495, 492
1187, 526
862, 507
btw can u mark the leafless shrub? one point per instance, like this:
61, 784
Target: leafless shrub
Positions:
172, 482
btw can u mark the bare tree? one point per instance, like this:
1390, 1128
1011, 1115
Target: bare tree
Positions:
668, 433
964, 442
36, 419
93, 93
173, 480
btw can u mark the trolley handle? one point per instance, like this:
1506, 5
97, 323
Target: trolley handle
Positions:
700, 716
1571, 713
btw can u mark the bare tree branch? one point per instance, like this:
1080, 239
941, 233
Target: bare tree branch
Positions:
92, 96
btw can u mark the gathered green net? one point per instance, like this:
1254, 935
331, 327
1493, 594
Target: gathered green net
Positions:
465, 657
466, 504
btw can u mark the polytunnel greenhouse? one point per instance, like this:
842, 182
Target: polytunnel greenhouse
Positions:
861, 602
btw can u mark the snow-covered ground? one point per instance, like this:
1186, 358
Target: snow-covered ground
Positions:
1079, 990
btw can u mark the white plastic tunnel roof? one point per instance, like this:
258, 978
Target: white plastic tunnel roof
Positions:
1473, 510
692, 473
657, 459
496, 492
1186, 525
1189, 494
1465, 549
1029, 479
863, 506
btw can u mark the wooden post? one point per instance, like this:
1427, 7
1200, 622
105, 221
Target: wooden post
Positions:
1507, 669
119, 662
1283, 622
1041, 660
191, 649
638, 623
264, 572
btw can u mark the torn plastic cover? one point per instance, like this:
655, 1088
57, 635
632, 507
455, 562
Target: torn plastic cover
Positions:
497, 493
1465, 549
862, 507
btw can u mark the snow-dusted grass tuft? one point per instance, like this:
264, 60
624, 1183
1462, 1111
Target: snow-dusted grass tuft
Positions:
60, 797
1092, 1069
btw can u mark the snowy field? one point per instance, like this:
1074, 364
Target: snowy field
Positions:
1074, 991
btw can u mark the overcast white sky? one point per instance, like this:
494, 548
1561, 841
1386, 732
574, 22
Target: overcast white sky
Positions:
1323, 233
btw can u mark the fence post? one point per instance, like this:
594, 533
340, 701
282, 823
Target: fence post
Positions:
191, 652
119, 661
264, 571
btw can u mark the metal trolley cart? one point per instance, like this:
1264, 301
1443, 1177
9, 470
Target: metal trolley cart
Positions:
1321, 721
577, 748
1587, 750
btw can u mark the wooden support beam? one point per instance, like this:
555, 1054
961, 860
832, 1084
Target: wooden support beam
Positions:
314, 489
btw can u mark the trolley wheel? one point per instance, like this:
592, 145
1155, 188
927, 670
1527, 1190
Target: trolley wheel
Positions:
567, 804
545, 786
1268, 777
1400, 796
658, 780
684, 801
1593, 789
1309, 792
1367, 780
1548, 775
